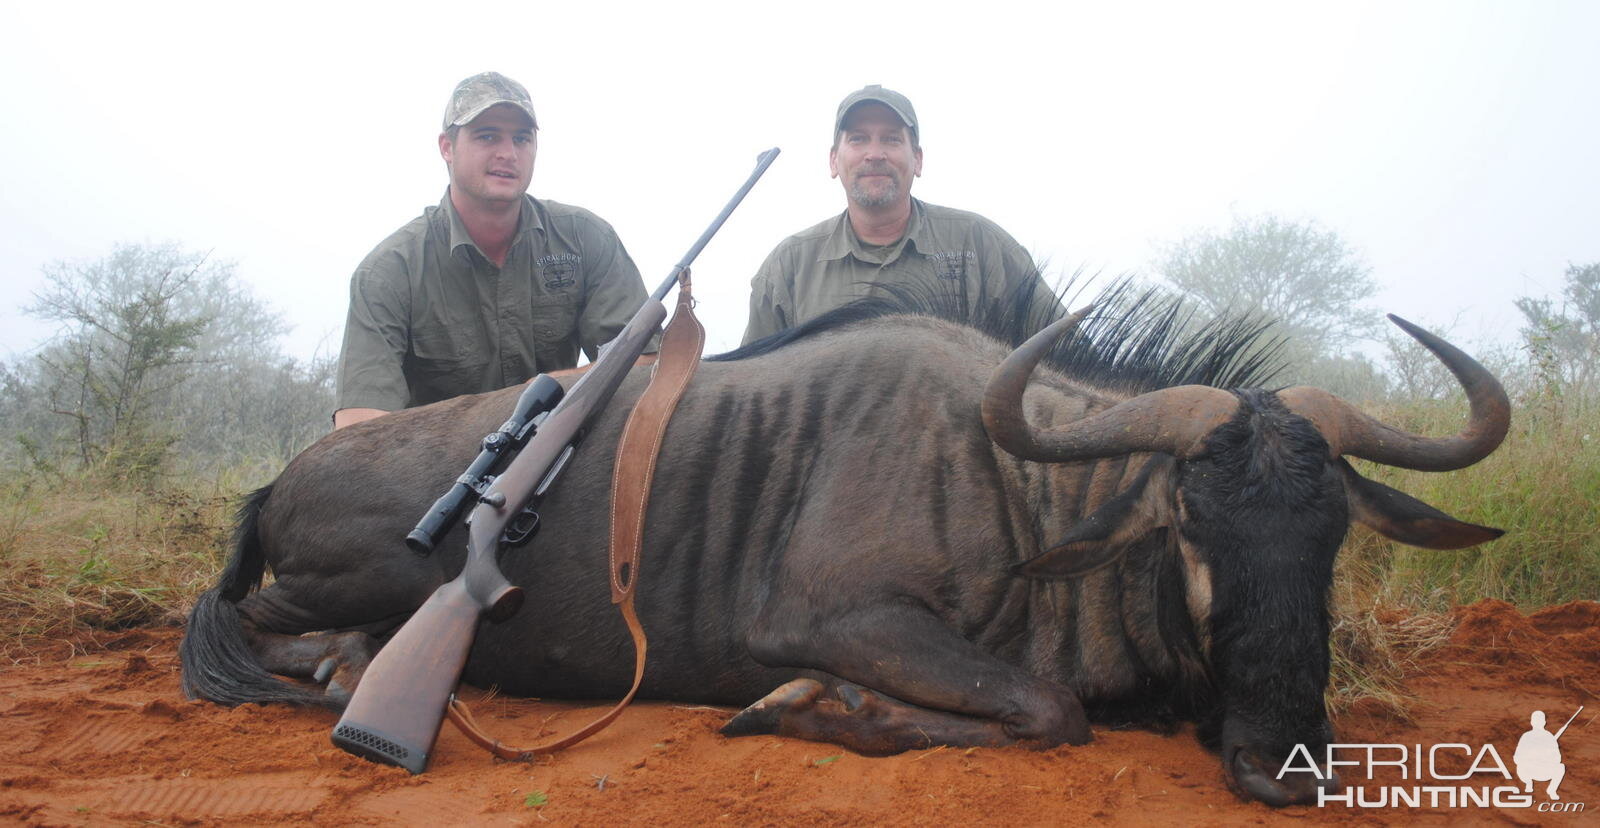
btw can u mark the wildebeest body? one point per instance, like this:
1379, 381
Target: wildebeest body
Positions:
840, 510
880, 491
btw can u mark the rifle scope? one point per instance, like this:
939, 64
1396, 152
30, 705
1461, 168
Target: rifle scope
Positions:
540, 396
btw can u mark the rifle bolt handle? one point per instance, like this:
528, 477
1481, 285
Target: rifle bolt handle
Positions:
495, 499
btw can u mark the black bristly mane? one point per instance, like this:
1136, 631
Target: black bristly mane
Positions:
1136, 340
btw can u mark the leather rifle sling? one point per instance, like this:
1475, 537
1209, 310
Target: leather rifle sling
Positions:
681, 345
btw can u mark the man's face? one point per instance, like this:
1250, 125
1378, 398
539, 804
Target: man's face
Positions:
491, 158
873, 157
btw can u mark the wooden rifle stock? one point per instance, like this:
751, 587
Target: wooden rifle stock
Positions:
399, 705
395, 714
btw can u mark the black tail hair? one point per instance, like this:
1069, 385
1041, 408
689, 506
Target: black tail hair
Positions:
218, 664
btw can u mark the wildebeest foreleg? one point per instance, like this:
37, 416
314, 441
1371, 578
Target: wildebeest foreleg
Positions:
337, 658
920, 684
857, 718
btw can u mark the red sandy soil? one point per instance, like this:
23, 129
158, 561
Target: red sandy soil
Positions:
107, 738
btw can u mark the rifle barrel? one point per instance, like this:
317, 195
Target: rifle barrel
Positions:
763, 161
1569, 721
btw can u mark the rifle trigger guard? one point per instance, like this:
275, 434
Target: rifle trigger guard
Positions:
520, 528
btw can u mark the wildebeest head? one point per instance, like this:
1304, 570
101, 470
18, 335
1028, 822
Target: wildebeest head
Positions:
1257, 497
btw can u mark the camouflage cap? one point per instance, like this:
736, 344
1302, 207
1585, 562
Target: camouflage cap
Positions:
888, 97
481, 91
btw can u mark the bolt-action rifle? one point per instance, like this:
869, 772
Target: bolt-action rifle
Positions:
399, 705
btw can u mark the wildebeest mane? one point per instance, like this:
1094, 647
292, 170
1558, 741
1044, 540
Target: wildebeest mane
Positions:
1138, 339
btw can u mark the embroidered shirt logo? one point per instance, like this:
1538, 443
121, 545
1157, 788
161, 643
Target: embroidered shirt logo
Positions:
559, 269
953, 264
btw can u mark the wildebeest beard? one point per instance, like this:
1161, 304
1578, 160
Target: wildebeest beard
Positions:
1268, 514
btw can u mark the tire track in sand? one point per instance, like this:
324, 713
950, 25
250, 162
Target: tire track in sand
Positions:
206, 798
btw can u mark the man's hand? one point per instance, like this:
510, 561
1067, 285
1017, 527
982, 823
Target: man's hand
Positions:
350, 416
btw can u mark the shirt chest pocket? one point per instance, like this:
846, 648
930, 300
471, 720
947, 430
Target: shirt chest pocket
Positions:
553, 318
445, 346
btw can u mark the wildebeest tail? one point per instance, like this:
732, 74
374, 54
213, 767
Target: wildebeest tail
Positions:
218, 664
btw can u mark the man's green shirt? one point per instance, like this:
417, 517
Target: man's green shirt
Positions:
944, 253
432, 318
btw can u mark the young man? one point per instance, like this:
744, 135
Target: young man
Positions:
884, 237
489, 288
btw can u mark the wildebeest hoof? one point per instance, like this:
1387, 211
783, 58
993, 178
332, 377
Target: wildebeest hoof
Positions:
1078, 730
1252, 780
852, 697
763, 716
336, 691
862, 703
331, 673
1055, 718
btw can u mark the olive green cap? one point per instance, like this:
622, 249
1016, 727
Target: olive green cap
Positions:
481, 91
888, 97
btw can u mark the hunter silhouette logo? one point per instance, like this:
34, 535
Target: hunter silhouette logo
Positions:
1430, 776
1538, 755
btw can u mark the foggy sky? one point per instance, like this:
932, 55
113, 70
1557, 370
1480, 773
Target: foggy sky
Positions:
1451, 144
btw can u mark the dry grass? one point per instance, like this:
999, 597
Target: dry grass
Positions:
76, 560
1375, 646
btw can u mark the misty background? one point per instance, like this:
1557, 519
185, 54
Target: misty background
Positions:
1445, 148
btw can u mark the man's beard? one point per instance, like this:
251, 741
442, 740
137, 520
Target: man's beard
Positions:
882, 198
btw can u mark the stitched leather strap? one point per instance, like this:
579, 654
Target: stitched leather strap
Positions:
637, 451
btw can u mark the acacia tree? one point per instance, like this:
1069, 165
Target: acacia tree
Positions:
1414, 371
135, 325
263, 408
1299, 274
1564, 340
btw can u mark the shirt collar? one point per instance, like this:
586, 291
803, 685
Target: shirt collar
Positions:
527, 223
843, 241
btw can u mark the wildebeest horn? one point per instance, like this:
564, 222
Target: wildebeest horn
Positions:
1172, 420
1349, 431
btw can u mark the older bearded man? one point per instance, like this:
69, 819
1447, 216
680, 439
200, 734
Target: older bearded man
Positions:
885, 238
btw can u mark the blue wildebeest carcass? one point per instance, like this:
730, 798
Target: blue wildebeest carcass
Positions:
914, 532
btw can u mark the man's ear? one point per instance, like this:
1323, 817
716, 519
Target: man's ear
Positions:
446, 150
917, 170
833, 160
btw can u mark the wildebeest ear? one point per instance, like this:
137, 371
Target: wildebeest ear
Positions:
1399, 516
1098, 539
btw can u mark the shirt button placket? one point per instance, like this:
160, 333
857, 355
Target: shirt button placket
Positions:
510, 369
